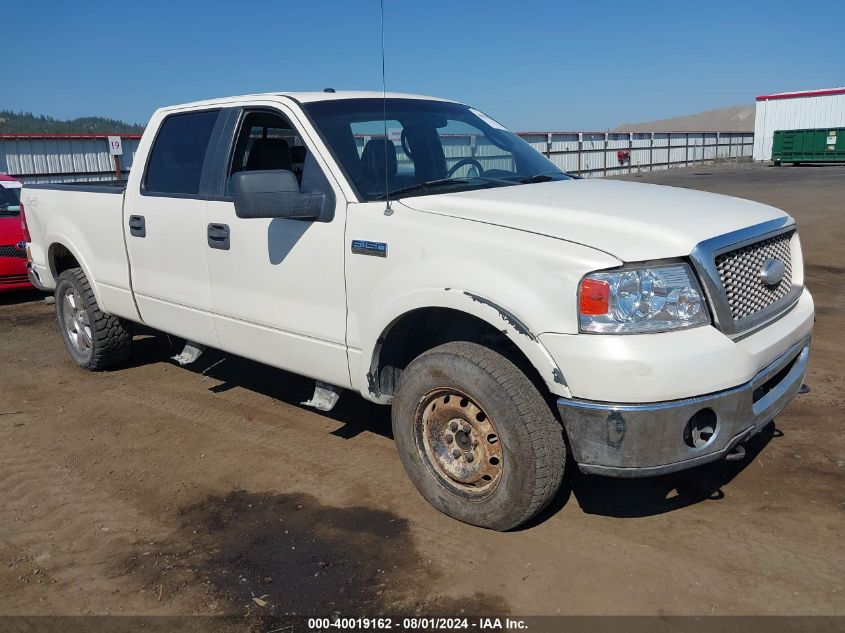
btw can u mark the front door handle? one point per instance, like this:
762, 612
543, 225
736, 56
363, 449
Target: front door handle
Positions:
137, 226
218, 236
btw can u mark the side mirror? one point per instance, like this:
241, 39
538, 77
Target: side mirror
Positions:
273, 194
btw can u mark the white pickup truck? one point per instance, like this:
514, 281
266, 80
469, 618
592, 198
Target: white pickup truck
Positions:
415, 251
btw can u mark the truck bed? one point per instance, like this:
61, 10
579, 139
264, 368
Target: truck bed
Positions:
100, 186
82, 222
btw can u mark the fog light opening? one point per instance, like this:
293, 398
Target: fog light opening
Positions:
701, 428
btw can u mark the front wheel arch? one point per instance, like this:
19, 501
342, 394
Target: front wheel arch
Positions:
457, 316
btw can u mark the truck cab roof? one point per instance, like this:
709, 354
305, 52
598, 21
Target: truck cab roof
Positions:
304, 97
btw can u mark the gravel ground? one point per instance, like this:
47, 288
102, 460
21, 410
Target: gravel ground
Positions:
157, 489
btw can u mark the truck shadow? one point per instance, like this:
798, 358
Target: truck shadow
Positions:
607, 496
632, 498
18, 297
229, 372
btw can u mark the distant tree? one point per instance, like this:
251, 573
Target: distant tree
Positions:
28, 123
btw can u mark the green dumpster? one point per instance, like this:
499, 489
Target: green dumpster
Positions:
824, 145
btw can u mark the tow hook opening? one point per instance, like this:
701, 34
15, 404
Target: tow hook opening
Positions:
701, 428
736, 454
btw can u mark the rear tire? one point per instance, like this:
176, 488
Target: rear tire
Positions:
476, 437
95, 340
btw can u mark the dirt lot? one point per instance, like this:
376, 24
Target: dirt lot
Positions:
158, 489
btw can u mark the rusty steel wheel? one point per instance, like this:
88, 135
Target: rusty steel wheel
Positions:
460, 441
476, 437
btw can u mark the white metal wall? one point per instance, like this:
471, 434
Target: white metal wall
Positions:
62, 159
794, 113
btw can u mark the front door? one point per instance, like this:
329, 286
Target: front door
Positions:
277, 285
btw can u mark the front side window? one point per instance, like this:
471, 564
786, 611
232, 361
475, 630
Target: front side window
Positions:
178, 153
424, 147
266, 140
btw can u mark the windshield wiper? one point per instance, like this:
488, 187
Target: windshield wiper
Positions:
542, 177
440, 182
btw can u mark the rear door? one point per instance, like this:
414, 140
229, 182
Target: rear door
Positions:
164, 224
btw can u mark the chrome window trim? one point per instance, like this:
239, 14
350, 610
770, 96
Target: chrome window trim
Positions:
703, 258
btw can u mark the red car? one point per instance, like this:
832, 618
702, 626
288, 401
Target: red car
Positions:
13, 271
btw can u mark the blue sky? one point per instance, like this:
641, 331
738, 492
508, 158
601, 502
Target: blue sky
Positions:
533, 65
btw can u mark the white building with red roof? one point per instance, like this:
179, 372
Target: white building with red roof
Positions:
800, 110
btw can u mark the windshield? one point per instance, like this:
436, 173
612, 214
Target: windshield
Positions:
10, 200
430, 147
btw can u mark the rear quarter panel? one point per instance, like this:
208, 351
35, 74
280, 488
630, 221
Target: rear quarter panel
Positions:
90, 225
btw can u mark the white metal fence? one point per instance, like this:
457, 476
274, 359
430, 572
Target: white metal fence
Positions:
588, 154
597, 154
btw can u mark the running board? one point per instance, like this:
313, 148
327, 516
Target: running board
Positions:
324, 398
189, 353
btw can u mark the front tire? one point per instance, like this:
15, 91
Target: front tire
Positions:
95, 340
476, 437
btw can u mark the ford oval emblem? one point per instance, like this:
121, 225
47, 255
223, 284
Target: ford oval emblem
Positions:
772, 271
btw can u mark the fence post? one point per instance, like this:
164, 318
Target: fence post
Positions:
578, 150
651, 151
604, 153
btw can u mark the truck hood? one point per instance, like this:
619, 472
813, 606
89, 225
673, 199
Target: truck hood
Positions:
631, 221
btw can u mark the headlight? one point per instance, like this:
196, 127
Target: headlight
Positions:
641, 299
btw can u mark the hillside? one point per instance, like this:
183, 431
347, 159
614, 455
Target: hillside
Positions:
733, 119
28, 123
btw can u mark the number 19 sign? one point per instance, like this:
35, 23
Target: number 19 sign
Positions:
115, 146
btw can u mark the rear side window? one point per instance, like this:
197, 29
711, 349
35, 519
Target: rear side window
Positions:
178, 153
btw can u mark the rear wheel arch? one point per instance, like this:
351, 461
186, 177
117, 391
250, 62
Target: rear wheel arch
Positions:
61, 257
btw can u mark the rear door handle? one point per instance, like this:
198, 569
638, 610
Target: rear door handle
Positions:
218, 236
137, 226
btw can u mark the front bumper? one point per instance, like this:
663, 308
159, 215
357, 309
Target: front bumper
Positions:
639, 440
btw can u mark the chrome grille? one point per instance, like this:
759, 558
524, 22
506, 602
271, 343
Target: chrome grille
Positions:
12, 251
740, 271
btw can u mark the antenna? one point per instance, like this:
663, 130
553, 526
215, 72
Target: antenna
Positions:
388, 210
